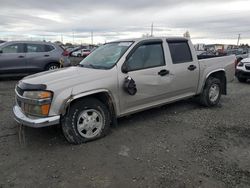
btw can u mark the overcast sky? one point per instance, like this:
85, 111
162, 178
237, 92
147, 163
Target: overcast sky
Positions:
208, 21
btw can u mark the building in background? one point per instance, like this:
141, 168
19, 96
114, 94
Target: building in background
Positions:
200, 47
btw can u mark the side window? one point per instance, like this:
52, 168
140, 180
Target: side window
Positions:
146, 56
33, 48
13, 48
49, 48
180, 52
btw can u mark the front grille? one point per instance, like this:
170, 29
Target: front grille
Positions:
19, 92
247, 67
19, 103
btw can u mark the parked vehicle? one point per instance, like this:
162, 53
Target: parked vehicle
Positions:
30, 57
81, 53
240, 53
118, 79
243, 70
208, 54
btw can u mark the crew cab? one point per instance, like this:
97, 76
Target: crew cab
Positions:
117, 79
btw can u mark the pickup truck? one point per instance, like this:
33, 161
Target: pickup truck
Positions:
117, 79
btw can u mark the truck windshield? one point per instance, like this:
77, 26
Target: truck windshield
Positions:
106, 56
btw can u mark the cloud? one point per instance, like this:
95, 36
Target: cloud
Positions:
114, 19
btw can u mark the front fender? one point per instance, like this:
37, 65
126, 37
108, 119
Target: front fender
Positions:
86, 94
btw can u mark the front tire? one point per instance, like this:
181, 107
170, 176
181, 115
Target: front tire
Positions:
87, 119
211, 93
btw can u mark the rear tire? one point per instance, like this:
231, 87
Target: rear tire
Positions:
52, 66
242, 80
211, 93
87, 119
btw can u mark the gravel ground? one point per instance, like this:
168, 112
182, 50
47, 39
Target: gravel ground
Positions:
178, 145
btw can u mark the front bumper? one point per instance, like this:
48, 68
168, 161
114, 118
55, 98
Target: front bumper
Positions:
242, 74
21, 118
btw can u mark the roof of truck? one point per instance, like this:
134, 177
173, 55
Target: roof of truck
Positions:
152, 38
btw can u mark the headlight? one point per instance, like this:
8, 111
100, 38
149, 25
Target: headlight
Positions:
37, 103
240, 64
37, 94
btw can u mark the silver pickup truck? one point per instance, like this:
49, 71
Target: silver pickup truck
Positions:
118, 79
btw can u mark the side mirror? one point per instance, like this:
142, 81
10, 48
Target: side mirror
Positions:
125, 67
1, 51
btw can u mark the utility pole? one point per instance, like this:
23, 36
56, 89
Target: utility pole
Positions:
152, 29
73, 36
92, 38
62, 38
238, 42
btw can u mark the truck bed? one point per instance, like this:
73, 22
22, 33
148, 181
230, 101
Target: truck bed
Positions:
224, 63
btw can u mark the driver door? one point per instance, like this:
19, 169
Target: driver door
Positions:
146, 66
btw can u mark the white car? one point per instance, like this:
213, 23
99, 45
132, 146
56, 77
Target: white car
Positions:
81, 53
243, 70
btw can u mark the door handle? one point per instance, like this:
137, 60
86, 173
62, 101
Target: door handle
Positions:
46, 55
21, 56
192, 67
163, 72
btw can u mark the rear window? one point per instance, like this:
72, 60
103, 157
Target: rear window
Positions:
49, 48
180, 52
33, 48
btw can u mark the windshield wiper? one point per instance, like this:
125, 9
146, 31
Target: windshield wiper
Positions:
86, 65
93, 66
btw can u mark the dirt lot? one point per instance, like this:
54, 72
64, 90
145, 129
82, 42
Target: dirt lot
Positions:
178, 145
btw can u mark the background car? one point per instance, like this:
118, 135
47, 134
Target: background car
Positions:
243, 70
240, 53
30, 57
208, 54
81, 53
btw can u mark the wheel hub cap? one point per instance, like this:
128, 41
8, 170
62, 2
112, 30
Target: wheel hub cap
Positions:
214, 92
90, 123
53, 67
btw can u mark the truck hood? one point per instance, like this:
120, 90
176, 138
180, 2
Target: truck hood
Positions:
246, 60
67, 77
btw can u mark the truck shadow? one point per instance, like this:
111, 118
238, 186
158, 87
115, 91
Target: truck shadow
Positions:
47, 136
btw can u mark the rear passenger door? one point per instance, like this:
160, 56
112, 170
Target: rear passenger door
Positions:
12, 59
184, 70
37, 56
